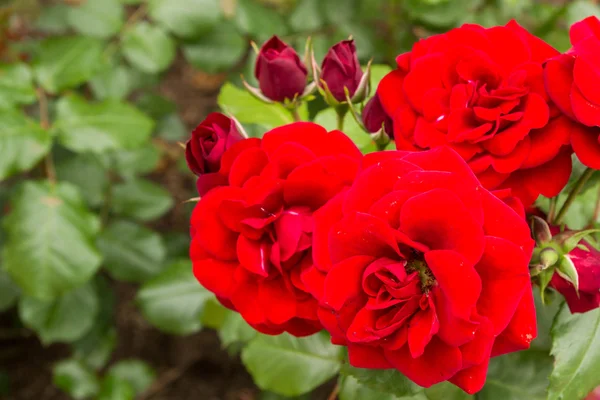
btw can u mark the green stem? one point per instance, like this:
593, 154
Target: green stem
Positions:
574, 192
596, 211
295, 113
341, 114
552, 210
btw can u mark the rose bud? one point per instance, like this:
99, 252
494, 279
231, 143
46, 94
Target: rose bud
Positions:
203, 151
341, 69
280, 72
374, 117
587, 265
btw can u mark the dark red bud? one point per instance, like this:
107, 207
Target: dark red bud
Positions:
374, 117
280, 72
341, 69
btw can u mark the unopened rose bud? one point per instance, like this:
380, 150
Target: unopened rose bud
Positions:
203, 151
374, 117
280, 72
341, 69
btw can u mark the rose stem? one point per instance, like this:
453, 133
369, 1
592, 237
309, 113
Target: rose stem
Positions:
574, 192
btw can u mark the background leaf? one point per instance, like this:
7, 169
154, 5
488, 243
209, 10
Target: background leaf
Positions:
115, 388
16, 85
173, 301
100, 18
141, 199
291, 366
576, 351
218, 50
50, 239
186, 18
131, 252
9, 291
135, 372
98, 127
148, 48
22, 143
385, 381
67, 62
64, 319
76, 379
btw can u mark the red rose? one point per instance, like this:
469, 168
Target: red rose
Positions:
374, 117
573, 82
280, 73
587, 264
252, 239
341, 69
481, 92
204, 150
419, 268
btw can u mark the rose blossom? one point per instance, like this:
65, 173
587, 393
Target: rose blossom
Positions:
573, 83
204, 150
374, 117
253, 238
419, 268
481, 92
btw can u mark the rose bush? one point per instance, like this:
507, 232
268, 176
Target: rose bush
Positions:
341, 70
572, 81
418, 267
252, 239
481, 92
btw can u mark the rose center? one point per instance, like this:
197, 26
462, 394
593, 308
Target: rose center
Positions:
417, 264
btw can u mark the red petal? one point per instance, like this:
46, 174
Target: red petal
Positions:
363, 356
278, 304
324, 219
390, 91
253, 255
438, 363
558, 77
472, 379
248, 164
547, 142
453, 331
585, 111
457, 279
344, 281
441, 221
521, 330
586, 144
424, 75
234, 151
214, 275
503, 283
421, 329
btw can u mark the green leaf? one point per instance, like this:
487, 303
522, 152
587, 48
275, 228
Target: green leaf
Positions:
148, 48
9, 291
580, 9
218, 50
328, 119
174, 301
291, 366
131, 252
141, 199
130, 163
445, 391
155, 105
235, 330
250, 110
378, 71
50, 239
214, 314
22, 143
96, 347
135, 372
545, 314
439, 14
100, 18
307, 16
517, 376
177, 244
97, 127
114, 388
172, 128
67, 62
76, 379
53, 19
114, 82
186, 18
385, 381
87, 173
352, 389
576, 351
64, 319
257, 20
16, 85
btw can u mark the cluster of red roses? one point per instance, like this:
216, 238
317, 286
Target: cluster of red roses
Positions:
416, 259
